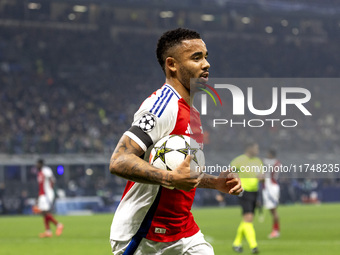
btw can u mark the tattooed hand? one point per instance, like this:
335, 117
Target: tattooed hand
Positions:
185, 179
230, 183
126, 162
226, 182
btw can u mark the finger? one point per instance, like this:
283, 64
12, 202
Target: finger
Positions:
235, 188
232, 191
200, 177
231, 181
198, 182
188, 158
237, 192
196, 175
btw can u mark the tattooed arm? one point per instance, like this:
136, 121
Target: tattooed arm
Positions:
126, 162
226, 182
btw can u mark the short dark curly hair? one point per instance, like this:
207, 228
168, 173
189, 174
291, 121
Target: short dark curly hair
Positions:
172, 38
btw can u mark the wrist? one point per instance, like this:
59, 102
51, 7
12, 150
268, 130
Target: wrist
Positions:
208, 181
168, 179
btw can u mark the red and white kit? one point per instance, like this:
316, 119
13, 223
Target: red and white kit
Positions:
152, 213
271, 189
46, 192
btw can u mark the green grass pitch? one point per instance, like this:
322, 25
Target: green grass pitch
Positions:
305, 229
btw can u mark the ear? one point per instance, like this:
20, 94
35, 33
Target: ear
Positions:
170, 63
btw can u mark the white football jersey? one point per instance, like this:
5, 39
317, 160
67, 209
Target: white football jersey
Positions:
271, 177
45, 181
152, 211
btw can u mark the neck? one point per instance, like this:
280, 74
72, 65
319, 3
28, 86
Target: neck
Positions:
182, 91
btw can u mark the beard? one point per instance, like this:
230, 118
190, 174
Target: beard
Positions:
185, 76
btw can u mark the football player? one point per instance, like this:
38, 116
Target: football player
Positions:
150, 218
46, 197
271, 190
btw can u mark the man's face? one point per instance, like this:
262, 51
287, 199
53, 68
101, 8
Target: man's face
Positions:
191, 60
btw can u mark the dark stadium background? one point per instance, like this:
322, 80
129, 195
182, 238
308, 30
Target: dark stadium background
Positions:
72, 74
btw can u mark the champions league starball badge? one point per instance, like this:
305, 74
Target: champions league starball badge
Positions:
147, 122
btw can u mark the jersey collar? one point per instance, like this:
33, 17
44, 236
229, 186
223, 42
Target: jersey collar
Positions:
173, 90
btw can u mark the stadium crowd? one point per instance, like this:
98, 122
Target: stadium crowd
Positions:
74, 92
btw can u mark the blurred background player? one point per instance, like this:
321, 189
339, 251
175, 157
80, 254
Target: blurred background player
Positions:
271, 190
46, 197
250, 183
